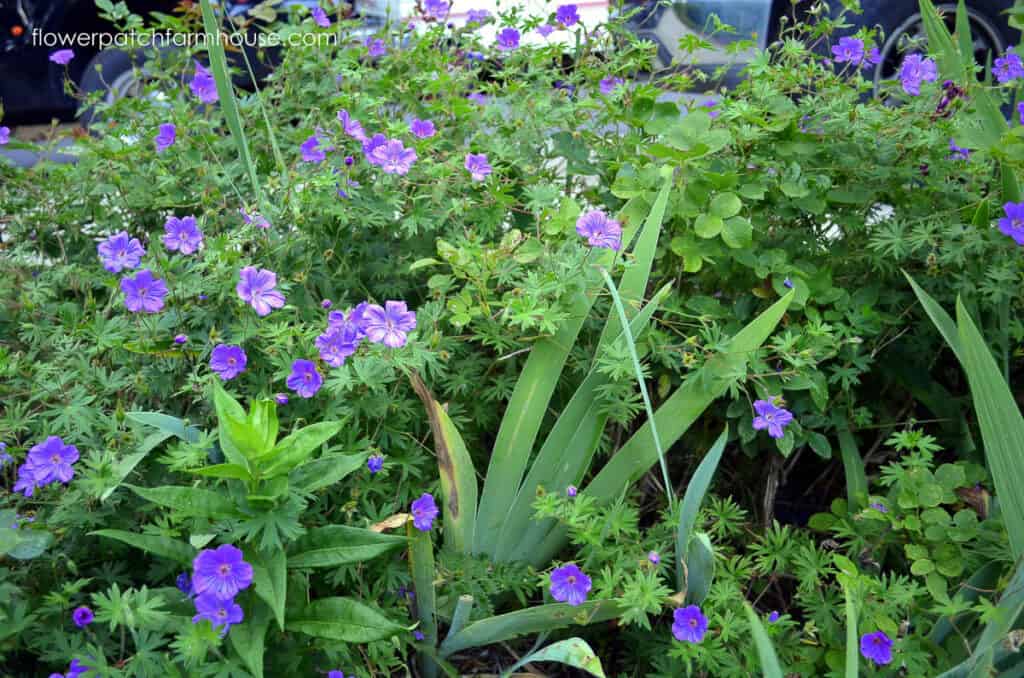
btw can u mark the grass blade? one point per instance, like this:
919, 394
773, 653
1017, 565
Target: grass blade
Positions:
853, 467
692, 500
700, 569
770, 667
852, 641
421, 561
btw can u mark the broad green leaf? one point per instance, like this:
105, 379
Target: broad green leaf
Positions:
232, 428
30, 543
573, 652
325, 471
224, 471
166, 423
770, 667
940, 43
263, 421
738, 232
700, 568
421, 562
336, 545
725, 205
343, 619
708, 225
189, 500
165, 547
1001, 424
297, 447
458, 477
537, 619
249, 638
125, 466
270, 580
692, 500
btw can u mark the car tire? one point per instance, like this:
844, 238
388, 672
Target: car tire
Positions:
116, 73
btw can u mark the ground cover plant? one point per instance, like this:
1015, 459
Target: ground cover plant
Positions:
438, 354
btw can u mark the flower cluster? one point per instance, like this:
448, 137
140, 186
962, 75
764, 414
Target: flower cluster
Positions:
916, 70
48, 462
217, 577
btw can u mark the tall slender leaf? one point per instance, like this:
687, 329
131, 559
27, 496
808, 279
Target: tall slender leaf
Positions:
249, 638
164, 547
343, 619
853, 467
700, 568
692, 500
852, 641
770, 667
335, 545
421, 562
270, 580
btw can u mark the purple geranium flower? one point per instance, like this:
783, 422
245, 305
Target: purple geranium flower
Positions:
311, 151
337, 344
571, 491
76, 669
689, 624
220, 613
508, 39
375, 463
849, 50
600, 230
424, 511
567, 15
351, 126
356, 319
958, 152
281, 398
320, 17
143, 293
62, 56
773, 617
335, 674
423, 129
1008, 68
165, 136
770, 417
120, 251
203, 86
569, 585
180, 339
787, 283
436, 9
915, 70
873, 58
1013, 223
256, 286
255, 219
477, 165
877, 647
221, 572
653, 557
393, 157
609, 83
371, 145
51, 461
182, 235
82, 616
390, 324
477, 16
184, 584
26, 481
228, 361
481, 98
304, 378
375, 47
5, 135
545, 30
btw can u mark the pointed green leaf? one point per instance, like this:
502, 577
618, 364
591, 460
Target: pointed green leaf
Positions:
166, 423
325, 471
336, 545
939, 317
573, 652
249, 638
700, 568
270, 580
770, 667
343, 619
189, 500
297, 447
224, 471
165, 547
853, 467
421, 562
852, 641
692, 501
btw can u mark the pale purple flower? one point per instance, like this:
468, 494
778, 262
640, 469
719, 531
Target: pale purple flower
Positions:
424, 511
436, 9
320, 17
165, 136
569, 585
878, 506
351, 126
653, 557
477, 16
957, 152
567, 15
689, 624
508, 39
304, 378
477, 166
281, 398
1008, 68
337, 344
375, 463
877, 647
120, 251
609, 83
545, 30
256, 287
770, 417
255, 219
356, 319
203, 86
393, 157
82, 616
221, 572
389, 324
873, 58
62, 56
182, 235
228, 361
371, 145
915, 70
311, 151
1013, 223
222, 614
571, 492
5, 135
481, 98
26, 481
375, 47
849, 50
180, 339
51, 461
143, 293
600, 230
423, 129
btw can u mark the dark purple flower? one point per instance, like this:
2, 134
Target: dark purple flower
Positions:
371, 145
304, 378
1008, 68
877, 647
508, 39
143, 293
424, 129
915, 70
82, 616
281, 398
787, 283
256, 287
653, 557
165, 137
5, 135
569, 585
62, 56
424, 511
609, 83
203, 86
184, 583
180, 339
957, 152
770, 417
52, 461
571, 491
326, 303
228, 361
220, 613
849, 50
393, 157
689, 624
600, 230
773, 617
477, 166
120, 251
221, 572
375, 47
436, 9
878, 506
477, 16
351, 126
390, 324
76, 669
1020, 112
320, 17
567, 15
375, 463
182, 235
1013, 223
336, 344
335, 674
311, 151
545, 30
